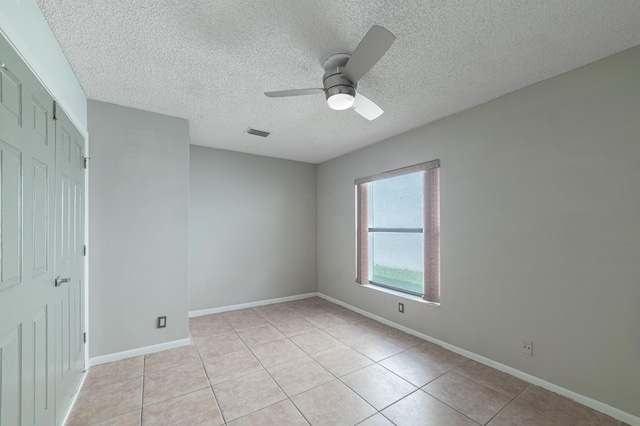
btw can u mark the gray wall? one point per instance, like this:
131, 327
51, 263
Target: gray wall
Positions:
138, 181
252, 228
540, 231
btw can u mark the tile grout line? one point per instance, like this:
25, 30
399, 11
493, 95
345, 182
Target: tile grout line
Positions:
144, 379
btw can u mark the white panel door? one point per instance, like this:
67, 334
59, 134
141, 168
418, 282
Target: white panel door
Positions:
69, 299
27, 292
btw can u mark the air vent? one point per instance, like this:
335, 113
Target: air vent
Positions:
256, 132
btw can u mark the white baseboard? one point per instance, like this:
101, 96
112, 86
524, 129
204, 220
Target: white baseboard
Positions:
137, 352
591, 403
209, 311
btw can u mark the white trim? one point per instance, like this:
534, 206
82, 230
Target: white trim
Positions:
87, 360
86, 258
74, 398
209, 311
591, 403
138, 351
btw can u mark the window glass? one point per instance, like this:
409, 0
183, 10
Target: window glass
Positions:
396, 202
396, 260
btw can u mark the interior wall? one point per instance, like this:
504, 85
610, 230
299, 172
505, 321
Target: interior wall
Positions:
252, 228
24, 25
539, 229
139, 185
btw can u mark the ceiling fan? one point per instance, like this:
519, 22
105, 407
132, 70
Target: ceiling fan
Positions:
343, 71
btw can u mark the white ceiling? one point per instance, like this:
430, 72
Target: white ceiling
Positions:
210, 61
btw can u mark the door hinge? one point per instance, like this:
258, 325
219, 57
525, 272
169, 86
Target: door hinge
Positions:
84, 250
84, 337
85, 162
55, 110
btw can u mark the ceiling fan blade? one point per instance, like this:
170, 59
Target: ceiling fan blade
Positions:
366, 107
293, 92
371, 48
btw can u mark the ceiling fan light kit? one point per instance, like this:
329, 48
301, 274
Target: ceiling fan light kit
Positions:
343, 71
341, 101
340, 92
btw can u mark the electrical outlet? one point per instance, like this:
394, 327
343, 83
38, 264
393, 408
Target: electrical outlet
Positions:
162, 322
527, 347
401, 307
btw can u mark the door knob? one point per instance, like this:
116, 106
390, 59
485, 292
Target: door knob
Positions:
60, 280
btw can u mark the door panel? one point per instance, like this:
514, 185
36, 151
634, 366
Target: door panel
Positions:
69, 257
41, 218
40, 122
78, 217
11, 96
35, 368
11, 223
40, 324
10, 377
37, 319
39, 221
75, 298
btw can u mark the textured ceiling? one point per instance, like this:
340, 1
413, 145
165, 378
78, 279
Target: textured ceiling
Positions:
211, 61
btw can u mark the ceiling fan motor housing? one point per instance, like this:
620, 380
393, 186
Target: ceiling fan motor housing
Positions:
335, 83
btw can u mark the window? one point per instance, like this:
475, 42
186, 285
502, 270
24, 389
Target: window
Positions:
398, 230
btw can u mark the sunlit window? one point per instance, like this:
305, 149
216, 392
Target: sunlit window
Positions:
398, 230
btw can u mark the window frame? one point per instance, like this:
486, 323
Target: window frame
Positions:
430, 228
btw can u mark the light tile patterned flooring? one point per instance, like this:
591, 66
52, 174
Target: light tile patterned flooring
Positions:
313, 362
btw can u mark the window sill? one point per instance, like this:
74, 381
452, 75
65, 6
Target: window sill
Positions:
399, 294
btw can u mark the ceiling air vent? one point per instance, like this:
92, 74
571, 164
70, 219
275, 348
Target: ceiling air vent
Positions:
257, 132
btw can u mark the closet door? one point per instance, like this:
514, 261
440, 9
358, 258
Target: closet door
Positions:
41, 324
69, 298
27, 165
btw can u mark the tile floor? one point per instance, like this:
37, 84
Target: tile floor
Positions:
313, 362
